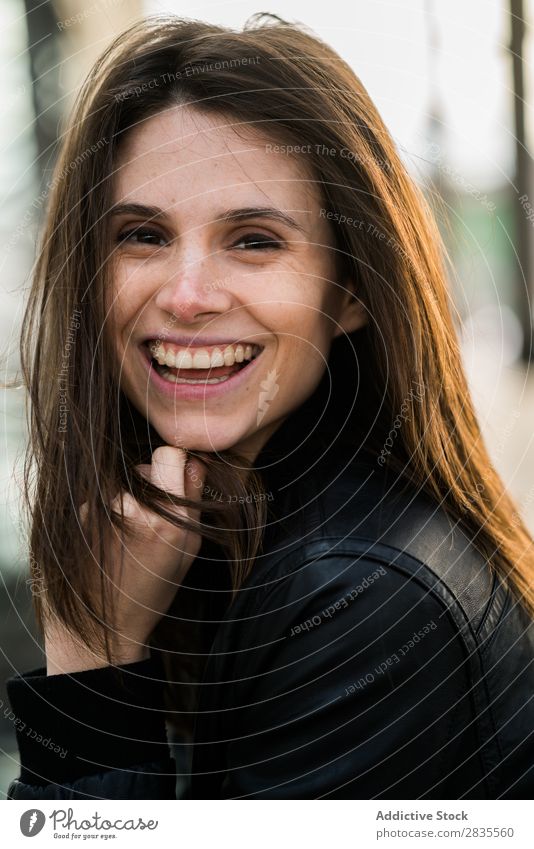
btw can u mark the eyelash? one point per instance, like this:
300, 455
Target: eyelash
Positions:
259, 241
139, 231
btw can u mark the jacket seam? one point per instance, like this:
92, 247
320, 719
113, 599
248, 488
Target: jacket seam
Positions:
486, 644
489, 606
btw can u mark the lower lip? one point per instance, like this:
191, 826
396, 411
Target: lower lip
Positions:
200, 391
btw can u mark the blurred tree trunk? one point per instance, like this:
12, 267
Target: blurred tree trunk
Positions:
523, 166
44, 56
65, 37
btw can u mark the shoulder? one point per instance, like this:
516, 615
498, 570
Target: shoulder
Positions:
342, 586
334, 532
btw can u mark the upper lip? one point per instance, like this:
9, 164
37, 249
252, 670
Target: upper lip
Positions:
197, 341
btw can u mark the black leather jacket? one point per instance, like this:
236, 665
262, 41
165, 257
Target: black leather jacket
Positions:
371, 653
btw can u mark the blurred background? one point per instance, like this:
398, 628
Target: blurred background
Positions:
453, 81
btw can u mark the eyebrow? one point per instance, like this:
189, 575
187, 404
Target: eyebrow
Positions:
137, 209
154, 212
262, 212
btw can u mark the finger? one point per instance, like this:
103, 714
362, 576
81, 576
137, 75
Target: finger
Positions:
167, 469
145, 470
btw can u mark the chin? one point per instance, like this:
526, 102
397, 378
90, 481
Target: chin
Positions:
211, 442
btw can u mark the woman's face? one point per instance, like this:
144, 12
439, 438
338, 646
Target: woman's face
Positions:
219, 239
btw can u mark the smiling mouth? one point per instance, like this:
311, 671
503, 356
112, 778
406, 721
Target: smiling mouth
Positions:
206, 376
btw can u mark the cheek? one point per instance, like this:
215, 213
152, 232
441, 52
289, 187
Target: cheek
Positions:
298, 312
305, 347
128, 296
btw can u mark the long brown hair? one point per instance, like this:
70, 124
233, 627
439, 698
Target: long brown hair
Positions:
277, 78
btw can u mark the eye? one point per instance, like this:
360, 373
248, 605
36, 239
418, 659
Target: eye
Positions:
142, 236
257, 241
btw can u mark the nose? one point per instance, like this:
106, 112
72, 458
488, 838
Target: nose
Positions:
194, 290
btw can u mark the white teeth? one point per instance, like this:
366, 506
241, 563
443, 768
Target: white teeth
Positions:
182, 359
217, 358
228, 355
172, 378
201, 359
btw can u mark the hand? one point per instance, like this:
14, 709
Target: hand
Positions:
157, 556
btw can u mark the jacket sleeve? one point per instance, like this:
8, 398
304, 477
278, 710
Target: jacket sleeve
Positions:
95, 734
351, 681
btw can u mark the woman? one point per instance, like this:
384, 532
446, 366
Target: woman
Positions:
290, 558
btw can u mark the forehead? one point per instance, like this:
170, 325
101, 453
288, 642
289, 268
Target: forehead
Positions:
183, 154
